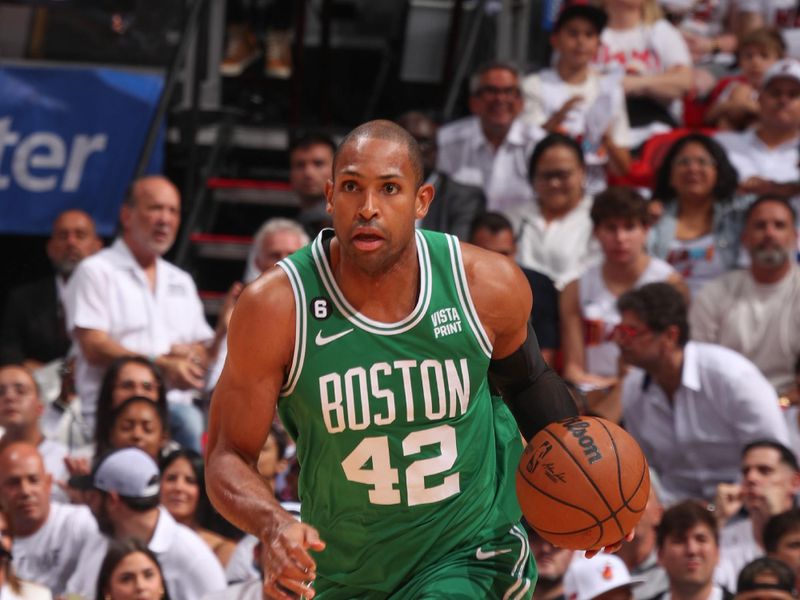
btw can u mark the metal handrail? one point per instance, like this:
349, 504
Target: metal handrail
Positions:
171, 80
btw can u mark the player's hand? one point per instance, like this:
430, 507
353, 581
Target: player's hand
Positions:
289, 569
613, 547
727, 501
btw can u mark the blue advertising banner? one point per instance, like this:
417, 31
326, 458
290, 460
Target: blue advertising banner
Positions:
70, 138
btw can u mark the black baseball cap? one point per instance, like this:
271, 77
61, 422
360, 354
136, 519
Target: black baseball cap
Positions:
596, 16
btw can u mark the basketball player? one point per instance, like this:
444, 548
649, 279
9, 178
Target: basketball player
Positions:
374, 343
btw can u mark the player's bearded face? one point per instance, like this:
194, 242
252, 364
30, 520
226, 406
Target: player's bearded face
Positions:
373, 199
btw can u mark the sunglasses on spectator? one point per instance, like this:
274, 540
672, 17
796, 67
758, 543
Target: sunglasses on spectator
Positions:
492, 90
626, 333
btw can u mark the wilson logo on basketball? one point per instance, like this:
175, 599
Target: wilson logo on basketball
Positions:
577, 428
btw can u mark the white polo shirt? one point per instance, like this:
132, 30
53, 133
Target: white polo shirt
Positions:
737, 547
561, 249
49, 556
191, 570
695, 441
467, 156
109, 291
752, 157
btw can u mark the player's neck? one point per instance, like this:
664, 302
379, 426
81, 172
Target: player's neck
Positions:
388, 295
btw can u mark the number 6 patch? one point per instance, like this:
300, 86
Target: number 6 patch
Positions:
321, 308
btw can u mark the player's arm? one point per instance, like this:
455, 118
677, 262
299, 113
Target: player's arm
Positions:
260, 345
535, 394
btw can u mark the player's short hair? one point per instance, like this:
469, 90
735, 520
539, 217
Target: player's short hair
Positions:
680, 518
306, 139
382, 129
787, 457
619, 202
778, 526
660, 305
493, 221
491, 65
550, 141
768, 198
769, 38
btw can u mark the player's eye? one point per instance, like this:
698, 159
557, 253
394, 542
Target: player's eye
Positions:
391, 188
349, 186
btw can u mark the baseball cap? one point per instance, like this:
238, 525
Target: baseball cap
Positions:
596, 16
587, 578
786, 67
130, 472
766, 574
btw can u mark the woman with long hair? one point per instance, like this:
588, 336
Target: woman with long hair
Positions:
698, 234
130, 571
183, 494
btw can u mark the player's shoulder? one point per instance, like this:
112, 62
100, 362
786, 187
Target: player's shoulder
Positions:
495, 281
271, 292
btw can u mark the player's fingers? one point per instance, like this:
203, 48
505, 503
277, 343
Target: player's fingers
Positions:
312, 540
300, 588
302, 558
274, 592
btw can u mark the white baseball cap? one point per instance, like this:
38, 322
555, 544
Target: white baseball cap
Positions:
130, 472
587, 578
786, 67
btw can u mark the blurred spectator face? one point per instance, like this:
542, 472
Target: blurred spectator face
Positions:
179, 490
638, 344
134, 379
24, 487
19, 399
501, 242
765, 479
769, 235
73, 239
138, 426
136, 577
754, 60
309, 169
690, 558
694, 172
788, 550
277, 246
423, 130
151, 221
576, 42
559, 179
551, 562
780, 103
498, 99
270, 462
622, 240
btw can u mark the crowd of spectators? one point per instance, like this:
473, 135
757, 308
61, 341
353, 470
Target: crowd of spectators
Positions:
647, 182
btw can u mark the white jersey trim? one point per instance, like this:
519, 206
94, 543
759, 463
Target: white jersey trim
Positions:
364, 322
300, 326
462, 288
523, 584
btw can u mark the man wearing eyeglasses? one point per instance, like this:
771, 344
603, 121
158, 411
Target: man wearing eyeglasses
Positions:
691, 406
491, 148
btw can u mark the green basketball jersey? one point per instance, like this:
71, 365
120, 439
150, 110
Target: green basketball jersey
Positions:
405, 457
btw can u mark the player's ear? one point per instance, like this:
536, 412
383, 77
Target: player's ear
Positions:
424, 198
329, 196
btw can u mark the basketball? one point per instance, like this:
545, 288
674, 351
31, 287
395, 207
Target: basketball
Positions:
583, 483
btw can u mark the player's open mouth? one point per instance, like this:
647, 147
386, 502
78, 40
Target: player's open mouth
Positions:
367, 241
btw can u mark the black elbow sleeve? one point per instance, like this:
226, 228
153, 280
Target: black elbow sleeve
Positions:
536, 395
